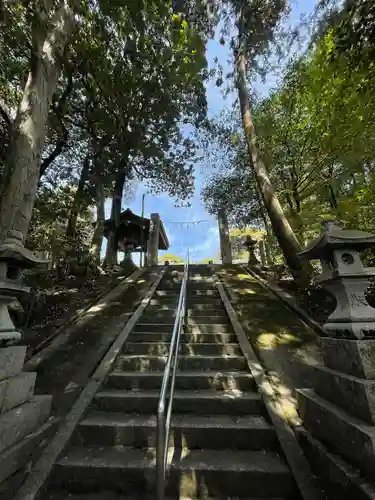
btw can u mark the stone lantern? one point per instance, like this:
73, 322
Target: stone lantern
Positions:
14, 258
339, 412
250, 244
345, 276
24, 424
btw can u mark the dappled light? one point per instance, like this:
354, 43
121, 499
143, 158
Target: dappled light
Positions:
97, 307
247, 291
187, 235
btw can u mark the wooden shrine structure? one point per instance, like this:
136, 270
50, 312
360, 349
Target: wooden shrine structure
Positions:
132, 234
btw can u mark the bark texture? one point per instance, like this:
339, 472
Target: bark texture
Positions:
287, 239
50, 36
72, 221
111, 251
97, 238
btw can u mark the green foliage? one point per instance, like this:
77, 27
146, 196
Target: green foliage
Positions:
238, 238
131, 77
315, 132
48, 225
231, 185
207, 260
173, 259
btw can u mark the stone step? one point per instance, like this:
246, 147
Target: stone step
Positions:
187, 431
163, 317
201, 277
209, 328
193, 380
165, 302
22, 454
206, 306
191, 349
191, 328
352, 394
60, 494
169, 287
194, 300
158, 306
218, 319
212, 311
201, 286
166, 294
200, 402
339, 479
142, 363
209, 472
155, 313
350, 436
197, 338
161, 306
153, 327
192, 285
196, 293
23, 420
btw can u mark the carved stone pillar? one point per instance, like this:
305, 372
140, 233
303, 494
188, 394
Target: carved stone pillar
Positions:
225, 244
262, 253
153, 240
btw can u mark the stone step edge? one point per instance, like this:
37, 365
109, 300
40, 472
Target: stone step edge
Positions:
129, 420
163, 343
182, 394
344, 475
187, 373
241, 461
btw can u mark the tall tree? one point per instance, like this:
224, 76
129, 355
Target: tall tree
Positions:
256, 23
51, 25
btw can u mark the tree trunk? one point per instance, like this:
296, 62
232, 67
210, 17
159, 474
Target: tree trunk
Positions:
97, 238
72, 221
280, 225
17, 201
111, 251
59, 111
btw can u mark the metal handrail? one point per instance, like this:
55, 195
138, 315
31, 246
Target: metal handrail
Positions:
167, 389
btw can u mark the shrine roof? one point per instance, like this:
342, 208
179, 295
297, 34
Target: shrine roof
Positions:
334, 237
128, 218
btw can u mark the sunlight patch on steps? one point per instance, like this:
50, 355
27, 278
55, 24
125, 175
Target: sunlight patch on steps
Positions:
268, 340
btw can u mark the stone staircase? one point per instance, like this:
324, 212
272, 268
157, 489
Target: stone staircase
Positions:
221, 445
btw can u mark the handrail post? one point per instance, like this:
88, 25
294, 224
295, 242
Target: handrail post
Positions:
160, 460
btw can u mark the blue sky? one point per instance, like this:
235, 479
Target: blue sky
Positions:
202, 239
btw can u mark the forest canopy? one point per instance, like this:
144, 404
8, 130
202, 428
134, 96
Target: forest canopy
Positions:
95, 99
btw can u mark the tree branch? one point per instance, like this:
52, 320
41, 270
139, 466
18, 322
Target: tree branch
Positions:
58, 149
58, 109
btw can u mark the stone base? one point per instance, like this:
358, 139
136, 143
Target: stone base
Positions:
355, 395
23, 418
348, 435
339, 480
353, 357
16, 390
340, 412
13, 458
11, 361
353, 330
